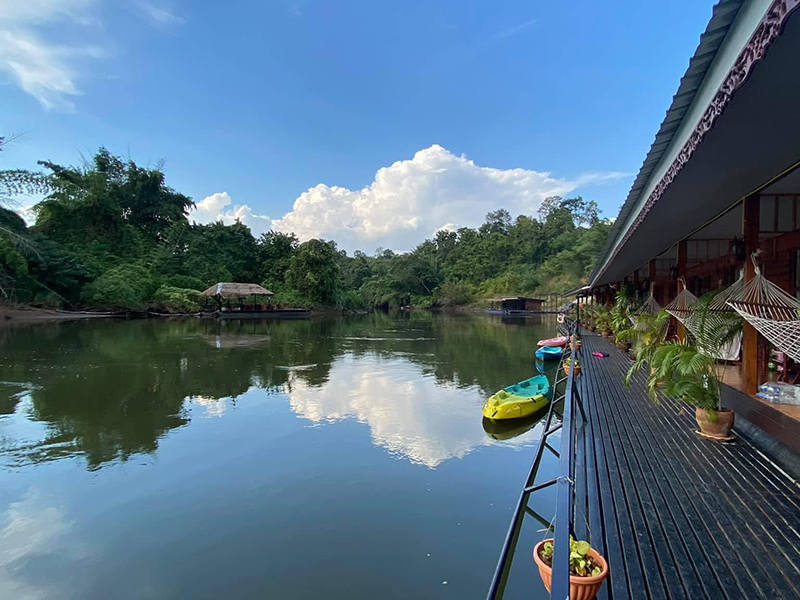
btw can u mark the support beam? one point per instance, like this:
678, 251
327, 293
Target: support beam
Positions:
681, 273
750, 227
651, 275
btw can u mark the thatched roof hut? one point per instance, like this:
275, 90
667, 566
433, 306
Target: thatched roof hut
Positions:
236, 290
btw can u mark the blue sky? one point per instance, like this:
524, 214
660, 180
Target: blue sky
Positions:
259, 107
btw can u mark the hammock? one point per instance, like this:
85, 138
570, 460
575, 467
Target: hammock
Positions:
649, 307
717, 320
771, 311
681, 306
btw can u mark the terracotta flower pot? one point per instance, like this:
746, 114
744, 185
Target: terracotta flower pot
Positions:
623, 346
577, 369
720, 428
575, 345
580, 588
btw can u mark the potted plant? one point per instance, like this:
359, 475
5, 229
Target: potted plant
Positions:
574, 344
603, 322
620, 317
587, 569
646, 336
588, 315
689, 370
682, 371
577, 367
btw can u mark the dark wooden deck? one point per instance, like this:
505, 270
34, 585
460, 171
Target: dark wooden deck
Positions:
676, 515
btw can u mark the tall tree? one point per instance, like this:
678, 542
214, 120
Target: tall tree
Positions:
314, 272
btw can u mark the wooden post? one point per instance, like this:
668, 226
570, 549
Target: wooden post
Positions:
750, 228
681, 270
636, 283
651, 275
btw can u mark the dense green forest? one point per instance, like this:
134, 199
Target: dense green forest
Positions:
113, 235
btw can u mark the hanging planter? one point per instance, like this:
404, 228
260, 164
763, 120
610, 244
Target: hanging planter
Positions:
587, 569
577, 367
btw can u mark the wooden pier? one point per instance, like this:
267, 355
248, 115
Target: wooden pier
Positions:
676, 515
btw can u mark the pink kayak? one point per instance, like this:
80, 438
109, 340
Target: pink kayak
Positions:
556, 341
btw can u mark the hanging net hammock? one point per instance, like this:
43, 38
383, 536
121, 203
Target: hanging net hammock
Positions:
648, 307
681, 306
707, 324
771, 311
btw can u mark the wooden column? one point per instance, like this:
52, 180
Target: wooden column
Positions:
636, 283
681, 270
750, 227
651, 275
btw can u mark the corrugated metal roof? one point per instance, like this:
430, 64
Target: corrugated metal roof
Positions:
724, 13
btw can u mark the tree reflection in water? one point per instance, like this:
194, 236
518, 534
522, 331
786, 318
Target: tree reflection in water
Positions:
107, 390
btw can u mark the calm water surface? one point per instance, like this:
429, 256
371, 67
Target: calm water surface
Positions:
331, 459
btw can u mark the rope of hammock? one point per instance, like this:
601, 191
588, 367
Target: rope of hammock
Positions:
771, 311
650, 306
681, 305
717, 318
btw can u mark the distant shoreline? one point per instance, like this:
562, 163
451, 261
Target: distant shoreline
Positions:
26, 314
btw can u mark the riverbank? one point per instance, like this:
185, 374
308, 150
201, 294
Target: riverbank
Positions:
28, 314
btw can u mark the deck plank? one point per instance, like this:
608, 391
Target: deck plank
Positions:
678, 516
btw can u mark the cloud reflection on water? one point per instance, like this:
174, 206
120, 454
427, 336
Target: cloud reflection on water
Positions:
407, 411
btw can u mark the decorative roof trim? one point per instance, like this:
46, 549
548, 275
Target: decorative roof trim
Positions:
766, 32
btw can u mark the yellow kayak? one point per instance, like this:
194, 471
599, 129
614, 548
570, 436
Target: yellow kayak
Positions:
519, 400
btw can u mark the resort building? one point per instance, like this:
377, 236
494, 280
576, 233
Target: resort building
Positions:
716, 202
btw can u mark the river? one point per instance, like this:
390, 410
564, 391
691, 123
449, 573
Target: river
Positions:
323, 458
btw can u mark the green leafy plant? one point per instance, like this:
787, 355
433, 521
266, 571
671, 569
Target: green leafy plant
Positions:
684, 372
180, 300
620, 314
688, 369
646, 336
603, 319
581, 564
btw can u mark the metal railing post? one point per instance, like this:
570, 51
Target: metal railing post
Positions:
565, 491
564, 483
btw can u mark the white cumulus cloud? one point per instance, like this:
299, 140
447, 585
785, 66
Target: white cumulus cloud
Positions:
406, 202
216, 208
412, 198
29, 56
